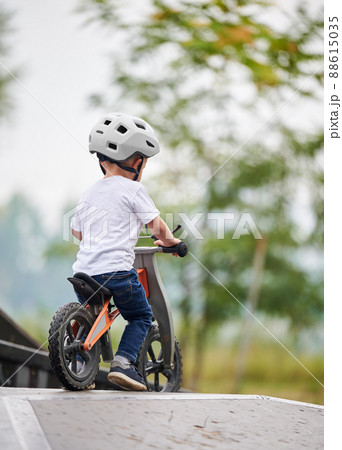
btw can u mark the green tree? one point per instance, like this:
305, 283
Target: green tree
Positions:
29, 280
5, 77
213, 78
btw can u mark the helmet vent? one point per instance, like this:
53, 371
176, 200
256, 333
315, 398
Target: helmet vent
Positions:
112, 146
139, 125
122, 129
149, 144
99, 131
107, 122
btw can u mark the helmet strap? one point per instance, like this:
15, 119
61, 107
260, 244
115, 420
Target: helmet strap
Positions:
103, 171
126, 168
131, 169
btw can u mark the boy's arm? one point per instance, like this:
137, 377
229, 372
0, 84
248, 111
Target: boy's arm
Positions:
77, 234
162, 232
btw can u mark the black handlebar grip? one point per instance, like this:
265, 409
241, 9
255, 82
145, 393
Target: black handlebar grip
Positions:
180, 249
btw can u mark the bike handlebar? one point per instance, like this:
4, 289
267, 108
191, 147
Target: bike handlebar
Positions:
181, 249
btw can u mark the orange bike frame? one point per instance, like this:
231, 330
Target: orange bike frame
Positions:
102, 323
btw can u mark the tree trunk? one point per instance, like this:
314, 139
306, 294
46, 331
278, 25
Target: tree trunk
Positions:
200, 340
251, 306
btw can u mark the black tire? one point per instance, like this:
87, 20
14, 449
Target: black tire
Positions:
150, 364
63, 344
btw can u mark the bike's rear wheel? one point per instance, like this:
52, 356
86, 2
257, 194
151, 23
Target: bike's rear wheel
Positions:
75, 368
151, 365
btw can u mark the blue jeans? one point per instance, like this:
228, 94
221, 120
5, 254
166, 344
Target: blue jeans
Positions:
130, 299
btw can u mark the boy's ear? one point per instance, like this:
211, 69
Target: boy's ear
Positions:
137, 162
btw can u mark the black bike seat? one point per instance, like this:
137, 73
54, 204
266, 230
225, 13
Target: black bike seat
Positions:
93, 284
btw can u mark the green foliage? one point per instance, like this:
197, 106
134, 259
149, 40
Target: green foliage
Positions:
5, 78
59, 250
269, 371
205, 74
28, 279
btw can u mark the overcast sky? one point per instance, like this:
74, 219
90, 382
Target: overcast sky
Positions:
44, 142
59, 62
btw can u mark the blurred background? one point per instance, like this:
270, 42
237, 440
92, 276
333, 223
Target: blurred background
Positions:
234, 91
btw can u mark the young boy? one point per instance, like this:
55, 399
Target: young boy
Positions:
108, 221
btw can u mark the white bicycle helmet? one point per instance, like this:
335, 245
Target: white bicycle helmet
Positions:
120, 136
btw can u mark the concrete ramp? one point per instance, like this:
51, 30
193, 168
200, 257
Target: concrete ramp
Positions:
56, 419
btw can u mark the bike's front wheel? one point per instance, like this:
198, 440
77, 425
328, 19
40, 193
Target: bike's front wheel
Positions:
150, 363
74, 367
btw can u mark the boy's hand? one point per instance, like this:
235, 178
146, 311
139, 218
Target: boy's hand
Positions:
162, 232
77, 234
168, 243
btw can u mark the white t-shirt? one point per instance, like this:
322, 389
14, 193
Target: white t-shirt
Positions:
110, 215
